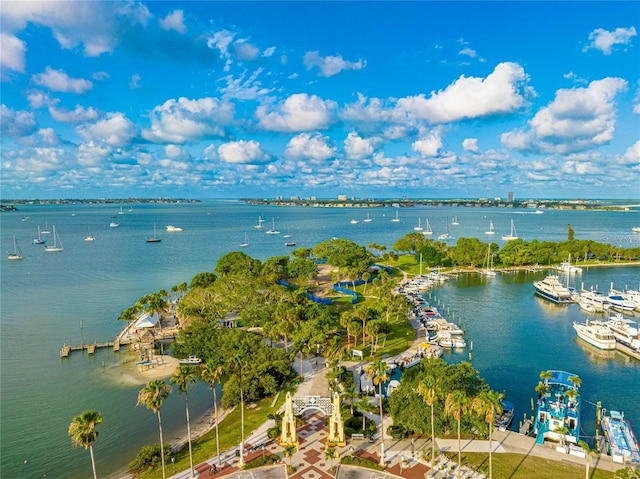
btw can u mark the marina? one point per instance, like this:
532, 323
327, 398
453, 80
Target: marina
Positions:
45, 296
622, 443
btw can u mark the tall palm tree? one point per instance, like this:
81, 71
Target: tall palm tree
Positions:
545, 376
428, 389
237, 363
183, 377
575, 380
210, 373
489, 404
152, 396
330, 453
588, 451
378, 372
455, 405
83, 433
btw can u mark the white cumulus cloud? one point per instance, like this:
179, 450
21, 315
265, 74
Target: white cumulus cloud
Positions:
430, 145
309, 146
115, 130
502, 91
245, 50
78, 115
358, 148
299, 112
174, 21
604, 40
330, 65
12, 51
16, 123
243, 152
470, 144
58, 80
178, 121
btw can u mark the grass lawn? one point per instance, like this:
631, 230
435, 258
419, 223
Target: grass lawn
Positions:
205, 447
517, 466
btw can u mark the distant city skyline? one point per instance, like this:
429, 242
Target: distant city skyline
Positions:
363, 99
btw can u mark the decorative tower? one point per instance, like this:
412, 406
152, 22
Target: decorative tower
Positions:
289, 435
336, 425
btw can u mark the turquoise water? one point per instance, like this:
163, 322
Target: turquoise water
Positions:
46, 296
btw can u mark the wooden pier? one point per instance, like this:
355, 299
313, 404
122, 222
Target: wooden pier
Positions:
67, 349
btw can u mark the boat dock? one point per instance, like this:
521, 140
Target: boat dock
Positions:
67, 349
634, 353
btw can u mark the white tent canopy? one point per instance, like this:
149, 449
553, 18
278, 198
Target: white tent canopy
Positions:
147, 320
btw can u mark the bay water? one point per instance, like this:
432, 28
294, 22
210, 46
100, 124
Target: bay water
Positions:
48, 299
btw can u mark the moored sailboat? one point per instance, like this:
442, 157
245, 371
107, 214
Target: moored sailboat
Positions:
154, 238
16, 255
39, 239
427, 229
513, 235
491, 230
56, 247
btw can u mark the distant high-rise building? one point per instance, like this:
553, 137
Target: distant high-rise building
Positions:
510, 196
342, 197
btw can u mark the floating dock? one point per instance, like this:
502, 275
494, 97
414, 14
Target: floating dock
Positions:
67, 349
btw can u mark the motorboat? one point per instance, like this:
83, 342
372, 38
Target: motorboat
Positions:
557, 411
173, 229
620, 303
191, 360
625, 331
622, 443
596, 333
393, 385
593, 301
113, 224
505, 418
636, 229
567, 267
550, 288
354, 222
289, 243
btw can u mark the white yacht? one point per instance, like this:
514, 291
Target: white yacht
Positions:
596, 333
620, 303
551, 288
173, 229
567, 267
625, 331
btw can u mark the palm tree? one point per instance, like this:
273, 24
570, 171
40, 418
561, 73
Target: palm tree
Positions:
210, 373
237, 364
183, 377
379, 373
588, 451
542, 389
489, 403
455, 405
83, 433
330, 453
288, 451
152, 396
428, 389
545, 376
575, 380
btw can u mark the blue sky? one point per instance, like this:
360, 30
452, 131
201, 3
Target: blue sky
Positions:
367, 99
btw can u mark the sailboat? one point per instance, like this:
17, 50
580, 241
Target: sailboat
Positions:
396, 219
154, 238
427, 229
273, 230
488, 264
121, 212
259, 226
512, 235
46, 231
246, 241
288, 235
89, 237
491, 231
454, 221
446, 236
39, 239
57, 243
367, 219
16, 252
419, 227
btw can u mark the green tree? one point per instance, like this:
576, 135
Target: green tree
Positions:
202, 280
588, 452
378, 372
489, 404
237, 263
183, 377
211, 372
152, 396
288, 451
456, 405
570, 233
428, 389
330, 453
83, 432
236, 365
